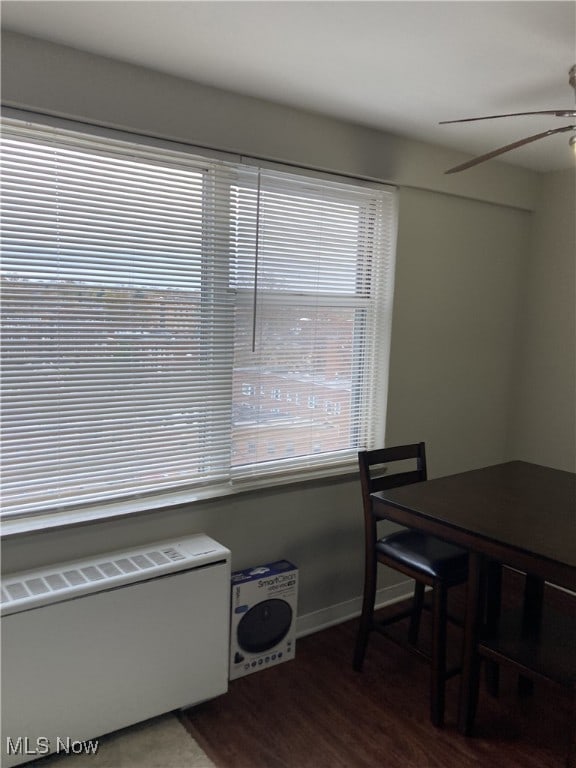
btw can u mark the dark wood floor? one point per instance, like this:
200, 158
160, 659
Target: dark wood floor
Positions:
316, 712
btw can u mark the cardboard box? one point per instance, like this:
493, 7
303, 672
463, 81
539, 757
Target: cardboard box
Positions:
263, 617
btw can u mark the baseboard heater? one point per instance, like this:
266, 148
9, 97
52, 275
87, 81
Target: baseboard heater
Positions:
95, 645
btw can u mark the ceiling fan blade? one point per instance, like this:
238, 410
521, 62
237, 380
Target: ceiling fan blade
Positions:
556, 112
508, 147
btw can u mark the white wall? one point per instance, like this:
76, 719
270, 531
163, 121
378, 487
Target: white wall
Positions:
454, 327
462, 242
61, 81
543, 423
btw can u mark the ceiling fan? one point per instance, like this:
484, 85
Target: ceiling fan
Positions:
528, 139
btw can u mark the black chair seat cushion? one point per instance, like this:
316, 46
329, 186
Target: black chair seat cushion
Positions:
425, 553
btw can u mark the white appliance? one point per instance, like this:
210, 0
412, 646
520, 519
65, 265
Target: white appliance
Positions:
263, 617
95, 645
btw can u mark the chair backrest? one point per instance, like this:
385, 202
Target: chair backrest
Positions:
374, 466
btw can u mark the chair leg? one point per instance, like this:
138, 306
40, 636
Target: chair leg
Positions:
367, 615
438, 676
418, 602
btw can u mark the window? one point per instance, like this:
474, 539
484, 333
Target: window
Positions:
147, 291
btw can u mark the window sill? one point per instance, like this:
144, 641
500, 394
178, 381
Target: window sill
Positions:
164, 502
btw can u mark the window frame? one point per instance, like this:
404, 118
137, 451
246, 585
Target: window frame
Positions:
318, 469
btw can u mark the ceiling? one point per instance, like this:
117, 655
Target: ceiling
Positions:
397, 66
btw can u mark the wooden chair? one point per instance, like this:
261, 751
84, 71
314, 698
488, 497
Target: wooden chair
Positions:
426, 559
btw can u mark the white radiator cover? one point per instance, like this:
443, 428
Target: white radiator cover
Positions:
92, 646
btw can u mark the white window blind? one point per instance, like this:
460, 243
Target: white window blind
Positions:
172, 321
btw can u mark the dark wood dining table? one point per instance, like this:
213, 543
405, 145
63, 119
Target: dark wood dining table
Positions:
514, 514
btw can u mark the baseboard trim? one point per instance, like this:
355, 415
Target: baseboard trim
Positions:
309, 623
316, 621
